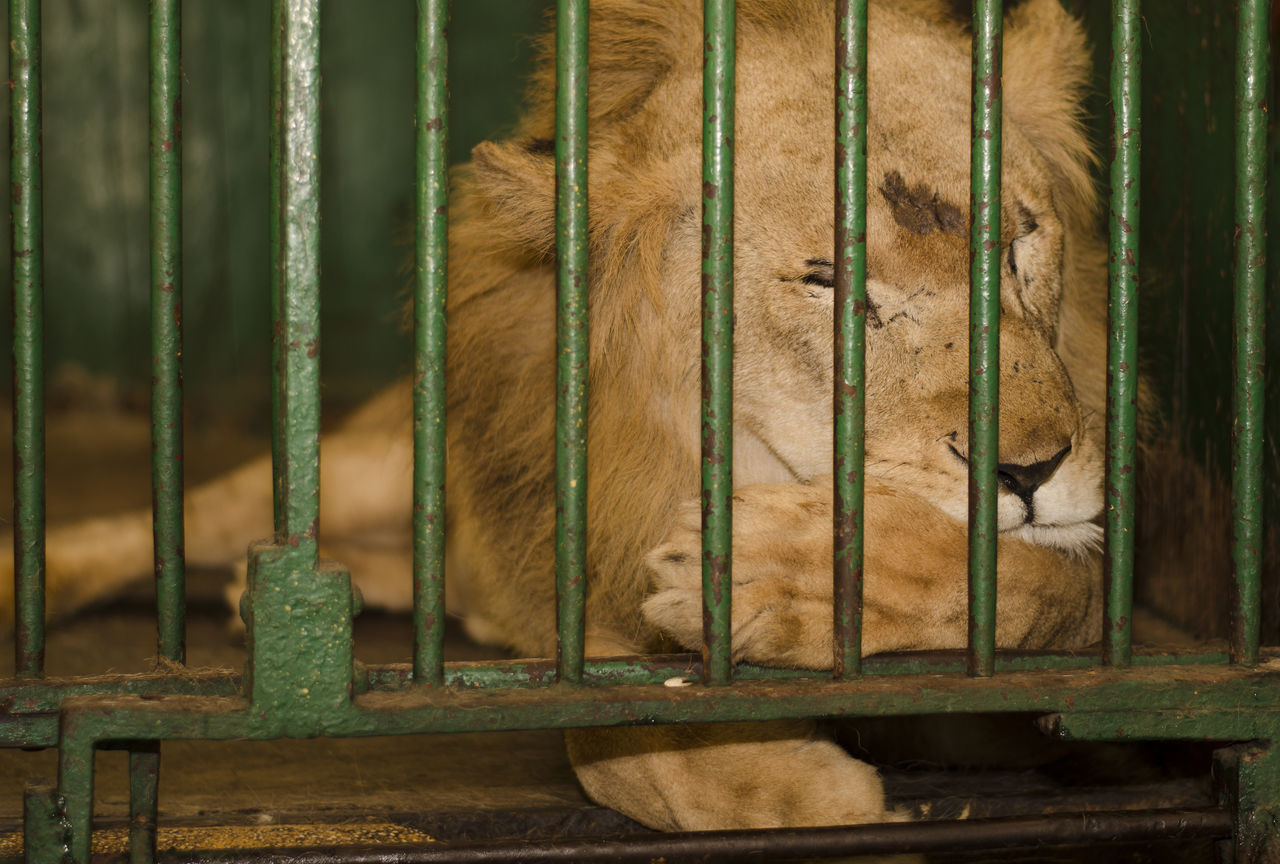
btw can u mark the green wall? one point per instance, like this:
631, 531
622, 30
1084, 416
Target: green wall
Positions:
96, 182
1186, 313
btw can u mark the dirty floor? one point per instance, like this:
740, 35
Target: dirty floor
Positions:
416, 789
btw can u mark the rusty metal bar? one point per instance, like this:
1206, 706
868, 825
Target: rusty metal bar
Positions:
42, 834
571, 335
297, 367
431, 265
144, 782
851, 330
984, 334
783, 844
275, 147
1122, 339
1185, 702
165, 37
1247, 527
717, 338
34, 720
75, 788
26, 223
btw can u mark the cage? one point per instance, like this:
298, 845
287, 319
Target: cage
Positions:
1200, 109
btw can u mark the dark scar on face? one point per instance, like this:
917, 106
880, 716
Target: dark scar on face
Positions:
920, 210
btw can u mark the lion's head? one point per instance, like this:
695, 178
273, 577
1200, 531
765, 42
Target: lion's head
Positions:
645, 187
918, 265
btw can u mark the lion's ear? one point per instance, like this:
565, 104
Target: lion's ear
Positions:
1047, 65
634, 45
517, 181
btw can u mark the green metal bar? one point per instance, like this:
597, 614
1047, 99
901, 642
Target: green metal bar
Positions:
144, 784
43, 835
984, 334
431, 264
166, 326
851, 333
1122, 338
717, 337
75, 786
1242, 699
571, 335
297, 372
1248, 777
41, 700
275, 147
1252, 74
26, 178
33, 719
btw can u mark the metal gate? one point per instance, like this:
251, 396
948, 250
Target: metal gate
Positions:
301, 680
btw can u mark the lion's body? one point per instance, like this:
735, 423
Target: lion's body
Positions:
645, 187
646, 194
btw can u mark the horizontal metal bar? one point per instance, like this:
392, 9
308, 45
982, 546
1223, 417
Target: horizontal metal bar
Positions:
1243, 698
778, 844
31, 718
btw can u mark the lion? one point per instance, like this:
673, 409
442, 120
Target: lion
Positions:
643, 524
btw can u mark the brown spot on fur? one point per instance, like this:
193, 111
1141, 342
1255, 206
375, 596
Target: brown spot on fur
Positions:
919, 209
540, 146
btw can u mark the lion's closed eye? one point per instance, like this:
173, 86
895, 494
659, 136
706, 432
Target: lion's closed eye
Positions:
823, 273
1026, 226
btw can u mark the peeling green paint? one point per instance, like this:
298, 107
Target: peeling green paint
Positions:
717, 337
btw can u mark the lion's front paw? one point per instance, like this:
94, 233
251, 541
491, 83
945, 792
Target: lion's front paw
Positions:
781, 576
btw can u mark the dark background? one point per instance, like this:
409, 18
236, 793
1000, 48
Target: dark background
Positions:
95, 139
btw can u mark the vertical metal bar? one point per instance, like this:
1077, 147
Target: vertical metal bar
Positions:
26, 177
166, 326
1122, 338
431, 264
75, 787
984, 333
571, 335
144, 783
1252, 73
717, 337
297, 370
851, 333
275, 147
43, 832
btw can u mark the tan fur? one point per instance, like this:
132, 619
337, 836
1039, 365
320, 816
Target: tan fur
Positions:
645, 187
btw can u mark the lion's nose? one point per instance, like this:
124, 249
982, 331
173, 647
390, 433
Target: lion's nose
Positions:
1024, 480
